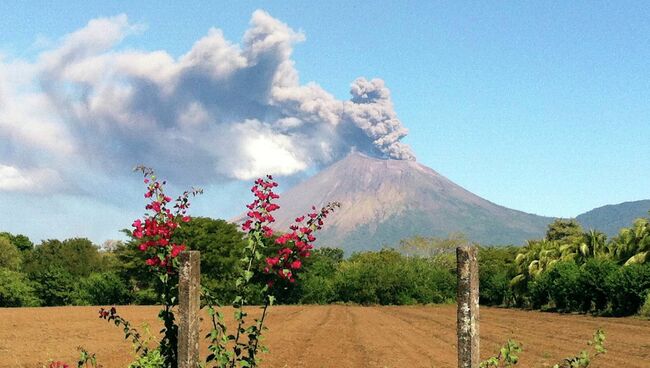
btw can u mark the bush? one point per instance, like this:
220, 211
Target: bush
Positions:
15, 290
317, 282
559, 287
593, 282
539, 291
496, 269
387, 277
645, 308
145, 297
317, 290
628, 289
104, 288
431, 284
153, 359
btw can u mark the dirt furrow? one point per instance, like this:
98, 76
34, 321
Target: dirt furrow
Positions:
334, 336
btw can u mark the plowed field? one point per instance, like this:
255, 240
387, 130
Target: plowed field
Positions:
336, 336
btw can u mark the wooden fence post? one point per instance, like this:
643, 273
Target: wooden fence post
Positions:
468, 312
189, 305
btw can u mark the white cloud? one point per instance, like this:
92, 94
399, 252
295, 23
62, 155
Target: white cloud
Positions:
221, 111
13, 179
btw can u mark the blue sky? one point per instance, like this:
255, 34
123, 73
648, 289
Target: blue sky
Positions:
538, 107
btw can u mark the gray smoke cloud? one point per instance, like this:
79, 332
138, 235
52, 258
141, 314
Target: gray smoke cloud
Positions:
222, 111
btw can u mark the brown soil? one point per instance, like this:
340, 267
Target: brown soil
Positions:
336, 336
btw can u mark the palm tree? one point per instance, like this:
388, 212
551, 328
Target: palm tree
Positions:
632, 245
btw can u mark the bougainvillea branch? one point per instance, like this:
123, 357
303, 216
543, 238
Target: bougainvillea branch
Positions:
154, 237
282, 268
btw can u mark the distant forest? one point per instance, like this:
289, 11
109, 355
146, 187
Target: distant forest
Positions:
569, 270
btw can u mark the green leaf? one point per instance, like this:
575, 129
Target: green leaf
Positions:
248, 275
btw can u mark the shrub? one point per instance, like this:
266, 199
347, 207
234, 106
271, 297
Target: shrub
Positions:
152, 359
645, 308
628, 288
566, 290
431, 284
387, 277
560, 286
317, 281
104, 288
539, 291
594, 274
145, 297
496, 269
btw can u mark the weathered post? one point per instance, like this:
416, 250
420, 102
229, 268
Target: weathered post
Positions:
468, 313
189, 299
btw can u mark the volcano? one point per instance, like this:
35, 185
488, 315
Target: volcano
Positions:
384, 201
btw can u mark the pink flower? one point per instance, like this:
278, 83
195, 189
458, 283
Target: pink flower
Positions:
296, 264
176, 250
155, 206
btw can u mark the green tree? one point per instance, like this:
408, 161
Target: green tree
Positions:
440, 250
10, 257
21, 241
387, 277
628, 288
106, 288
564, 230
221, 245
632, 245
593, 280
55, 286
16, 290
77, 256
317, 281
496, 269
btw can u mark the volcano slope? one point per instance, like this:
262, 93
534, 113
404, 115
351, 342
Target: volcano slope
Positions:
384, 201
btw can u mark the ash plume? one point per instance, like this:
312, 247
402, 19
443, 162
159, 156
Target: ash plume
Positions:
222, 111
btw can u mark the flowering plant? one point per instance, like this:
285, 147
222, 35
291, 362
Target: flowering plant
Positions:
154, 235
86, 360
283, 267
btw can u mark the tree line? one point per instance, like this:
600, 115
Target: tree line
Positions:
573, 270
569, 270
75, 272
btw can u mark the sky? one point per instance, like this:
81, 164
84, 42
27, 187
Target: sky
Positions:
541, 107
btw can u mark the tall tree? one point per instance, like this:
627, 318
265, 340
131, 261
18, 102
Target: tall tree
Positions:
564, 230
9, 255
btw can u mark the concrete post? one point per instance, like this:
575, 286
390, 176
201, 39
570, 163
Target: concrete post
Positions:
189, 305
468, 312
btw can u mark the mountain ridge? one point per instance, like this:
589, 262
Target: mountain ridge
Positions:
612, 217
